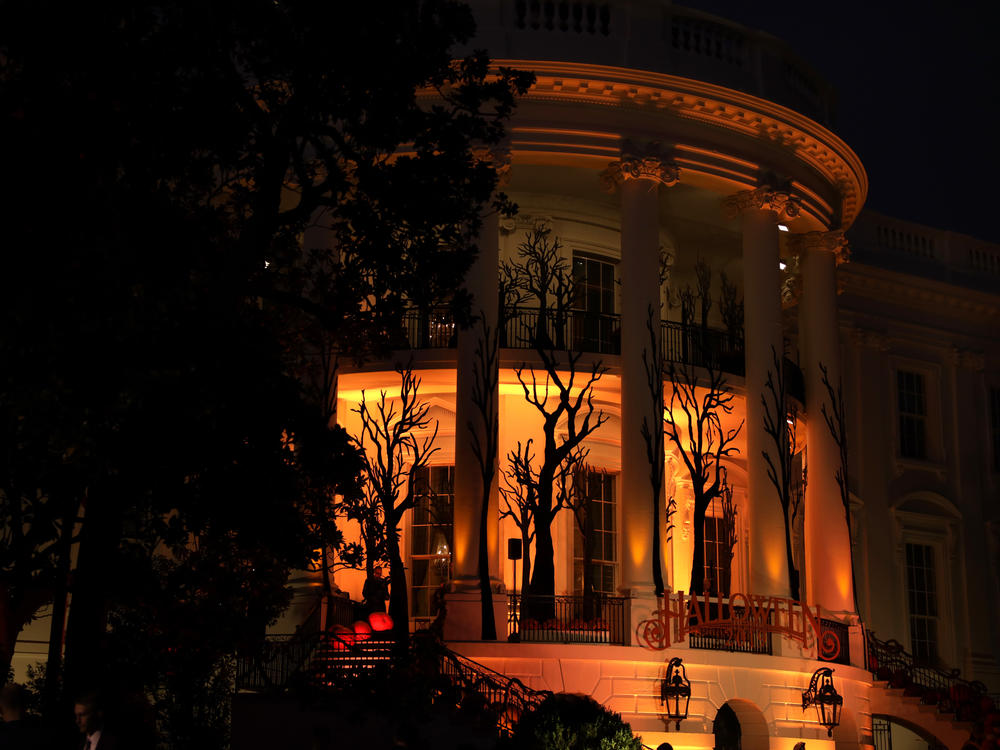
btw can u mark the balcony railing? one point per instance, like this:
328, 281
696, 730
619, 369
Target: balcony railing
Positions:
702, 347
835, 642
727, 638
567, 619
595, 333
430, 330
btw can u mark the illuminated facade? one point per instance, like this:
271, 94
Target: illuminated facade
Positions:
657, 131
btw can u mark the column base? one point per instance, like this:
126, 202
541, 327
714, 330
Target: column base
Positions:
463, 610
642, 603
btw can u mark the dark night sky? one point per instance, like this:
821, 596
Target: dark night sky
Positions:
918, 97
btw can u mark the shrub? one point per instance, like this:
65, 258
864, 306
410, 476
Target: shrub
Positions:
566, 721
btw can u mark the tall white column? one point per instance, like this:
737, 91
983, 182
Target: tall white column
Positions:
463, 621
827, 537
761, 210
639, 176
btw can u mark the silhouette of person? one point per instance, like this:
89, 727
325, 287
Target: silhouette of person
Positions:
375, 592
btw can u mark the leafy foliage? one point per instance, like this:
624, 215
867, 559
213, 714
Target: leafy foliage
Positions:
170, 161
567, 721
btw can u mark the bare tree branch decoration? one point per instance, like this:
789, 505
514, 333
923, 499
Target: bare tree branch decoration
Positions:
393, 457
779, 466
563, 397
485, 441
702, 443
652, 435
836, 421
730, 537
518, 492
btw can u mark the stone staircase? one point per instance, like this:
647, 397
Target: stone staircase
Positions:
927, 719
933, 702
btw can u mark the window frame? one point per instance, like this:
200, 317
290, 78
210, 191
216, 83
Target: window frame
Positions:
932, 419
414, 557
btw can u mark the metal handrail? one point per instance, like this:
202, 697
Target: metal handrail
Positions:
507, 698
889, 661
561, 330
271, 666
594, 618
702, 347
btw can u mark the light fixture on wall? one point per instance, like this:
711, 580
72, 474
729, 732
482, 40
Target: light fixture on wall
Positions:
675, 692
824, 696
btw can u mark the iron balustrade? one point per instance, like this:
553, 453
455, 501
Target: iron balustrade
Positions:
270, 667
890, 662
434, 329
834, 642
577, 330
506, 698
342, 610
567, 619
593, 333
702, 347
735, 639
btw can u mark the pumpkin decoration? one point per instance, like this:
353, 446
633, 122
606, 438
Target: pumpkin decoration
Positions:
380, 621
362, 631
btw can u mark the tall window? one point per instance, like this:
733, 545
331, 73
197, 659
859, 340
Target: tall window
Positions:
912, 414
921, 593
599, 503
718, 563
594, 327
995, 425
431, 537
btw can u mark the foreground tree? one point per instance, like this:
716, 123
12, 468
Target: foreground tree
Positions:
205, 143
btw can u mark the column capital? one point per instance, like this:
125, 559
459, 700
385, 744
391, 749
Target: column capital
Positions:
764, 198
640, 162
496, 157
833, 242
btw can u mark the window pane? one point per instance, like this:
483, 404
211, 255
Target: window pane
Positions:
599, 503
431, 537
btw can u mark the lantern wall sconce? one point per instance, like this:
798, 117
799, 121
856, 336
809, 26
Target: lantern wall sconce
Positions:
675, 692
824, 696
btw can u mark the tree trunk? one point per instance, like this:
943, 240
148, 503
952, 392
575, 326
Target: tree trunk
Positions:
57, 629
658, 586
698, 561
489, 626
543, 575
793, 574
398, 604
86, 629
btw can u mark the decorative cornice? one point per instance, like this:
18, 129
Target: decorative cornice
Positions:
524, 223
834, 242
869, 339
764, 198
640, 162
967, 359
725, 108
